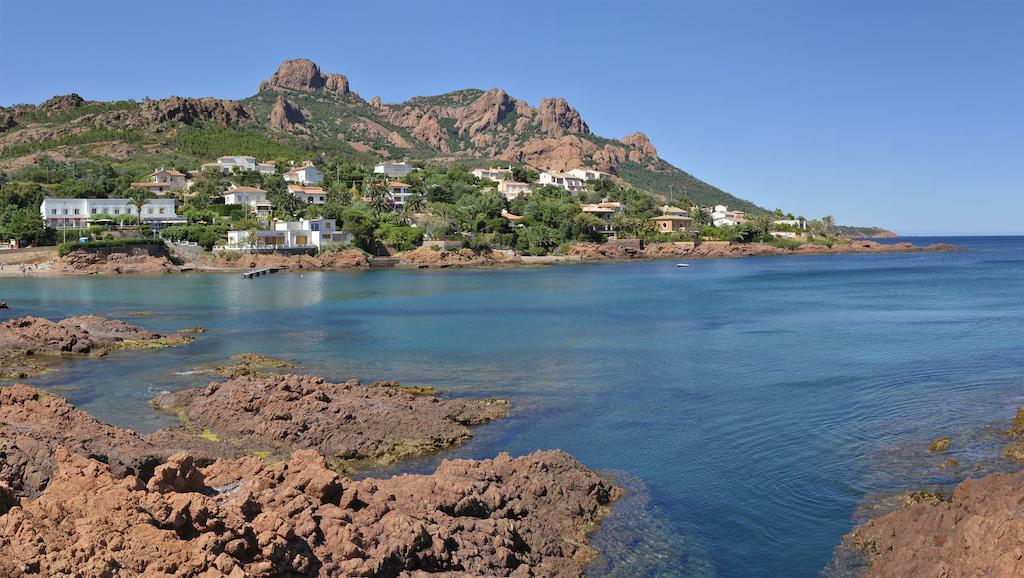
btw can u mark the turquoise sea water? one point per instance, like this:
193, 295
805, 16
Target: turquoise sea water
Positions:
750, 405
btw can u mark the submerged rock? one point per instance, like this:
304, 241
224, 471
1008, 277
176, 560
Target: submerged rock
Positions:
347, 422
939, 445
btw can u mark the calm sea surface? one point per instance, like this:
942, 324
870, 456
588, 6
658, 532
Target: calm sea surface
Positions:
751, 406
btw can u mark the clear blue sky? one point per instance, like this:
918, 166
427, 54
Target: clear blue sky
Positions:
906, 114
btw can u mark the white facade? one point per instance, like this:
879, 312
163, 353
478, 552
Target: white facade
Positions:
302, 234
158, 189
399, 193
393, 170
512, 189
589, 174
305, 175
245, 196
722, 216
175, 178
312, 195
65, 213
493, 174
565, 181
242, 163
799, 224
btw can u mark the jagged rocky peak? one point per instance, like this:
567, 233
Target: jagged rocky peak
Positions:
286, 116
189, 110
62, 103
640, 142
558, 118
304, 75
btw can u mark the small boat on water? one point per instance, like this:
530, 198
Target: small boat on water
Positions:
682, 265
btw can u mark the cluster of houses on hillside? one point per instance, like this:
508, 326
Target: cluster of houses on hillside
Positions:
304, 180
574, 181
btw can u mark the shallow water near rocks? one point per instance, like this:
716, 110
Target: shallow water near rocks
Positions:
751, 406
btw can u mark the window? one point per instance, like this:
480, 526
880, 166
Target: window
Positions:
150, 210
65, 211
117, 211
321, 198
314, 227
94, 210
53, 211
161, 210
76, 211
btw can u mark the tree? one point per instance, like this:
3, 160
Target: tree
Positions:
827, 222
25, 225
701, 216
416, 203
253, 237
137, 199
761, 225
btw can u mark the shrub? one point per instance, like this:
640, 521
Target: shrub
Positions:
65, 248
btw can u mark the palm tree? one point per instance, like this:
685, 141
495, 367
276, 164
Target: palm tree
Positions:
253, 236
701, 216
761, 225
827, 222
138, 198
416, 203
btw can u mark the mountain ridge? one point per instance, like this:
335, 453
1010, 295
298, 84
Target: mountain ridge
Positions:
299, 111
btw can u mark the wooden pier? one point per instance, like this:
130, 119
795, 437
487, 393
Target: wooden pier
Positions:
258, 272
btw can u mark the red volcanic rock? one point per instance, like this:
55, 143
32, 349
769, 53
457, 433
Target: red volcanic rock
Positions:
558, 118
23, 341
304, 75
34, 424
190, 110
425, 255
328, 261
286, 116
977, 532
526, 516
348, 421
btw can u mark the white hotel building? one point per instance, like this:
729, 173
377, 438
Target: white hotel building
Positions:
75, 213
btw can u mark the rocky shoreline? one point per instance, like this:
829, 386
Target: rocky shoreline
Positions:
975, 530
251, 482
77, 263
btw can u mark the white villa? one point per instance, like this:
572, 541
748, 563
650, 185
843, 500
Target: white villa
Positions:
393, 170
493, 174
571, 183
158, 189
302, 234
589, 174
252, 197
243, 163
512, 189
605, 211
798, 223
175, 178
244, 196
399, 193
305, 175
721, 215
313, 195
68, 213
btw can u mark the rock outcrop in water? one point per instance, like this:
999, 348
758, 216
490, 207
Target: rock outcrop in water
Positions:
97, 500
717, 250
29, 343
978, 531
34, 424
347, 422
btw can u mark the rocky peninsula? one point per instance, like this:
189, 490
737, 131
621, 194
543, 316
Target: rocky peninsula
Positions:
348, 423
30, 344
